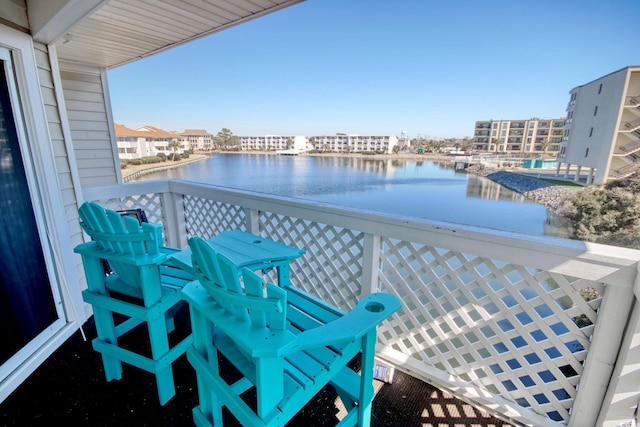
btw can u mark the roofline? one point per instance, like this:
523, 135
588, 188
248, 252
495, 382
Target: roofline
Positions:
628, 68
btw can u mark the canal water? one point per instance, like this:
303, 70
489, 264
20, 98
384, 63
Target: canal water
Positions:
422, 189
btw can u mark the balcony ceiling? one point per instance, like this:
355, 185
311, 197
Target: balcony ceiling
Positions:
117, 32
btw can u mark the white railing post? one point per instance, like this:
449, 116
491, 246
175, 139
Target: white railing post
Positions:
622, 401
174, 220
370, 264
252, 220
607, 337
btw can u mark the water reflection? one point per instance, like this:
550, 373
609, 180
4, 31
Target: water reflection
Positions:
433, 190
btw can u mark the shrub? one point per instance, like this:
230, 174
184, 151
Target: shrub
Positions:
162, 157
604, 215
135, 162
123, 163
150, 159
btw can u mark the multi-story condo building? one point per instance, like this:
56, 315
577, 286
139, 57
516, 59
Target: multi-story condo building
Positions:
532, 136
355, 143
273, 142
197, 139
145, 141
603, 128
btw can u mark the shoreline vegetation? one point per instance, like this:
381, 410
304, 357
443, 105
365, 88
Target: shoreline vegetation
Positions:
608, 214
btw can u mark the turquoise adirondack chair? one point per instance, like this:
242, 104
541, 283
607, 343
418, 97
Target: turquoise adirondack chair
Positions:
285, 343
139, 287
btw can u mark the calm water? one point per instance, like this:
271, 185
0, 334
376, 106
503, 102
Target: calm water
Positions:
417, 188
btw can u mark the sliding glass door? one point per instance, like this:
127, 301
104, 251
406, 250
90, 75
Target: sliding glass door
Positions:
29, 307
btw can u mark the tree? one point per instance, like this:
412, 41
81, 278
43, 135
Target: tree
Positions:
545, 144
224, 138
466, 144
496, 142
174, 144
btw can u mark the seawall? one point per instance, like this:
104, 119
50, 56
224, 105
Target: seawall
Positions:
542, 192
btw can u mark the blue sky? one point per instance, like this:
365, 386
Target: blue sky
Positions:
428, 67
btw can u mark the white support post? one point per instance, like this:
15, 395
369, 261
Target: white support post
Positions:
605, 344
175, 228
590, 177
252, 220
566, 170
577, 177
370, 265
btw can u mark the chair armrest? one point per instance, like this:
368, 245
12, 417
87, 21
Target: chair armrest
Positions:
368, 313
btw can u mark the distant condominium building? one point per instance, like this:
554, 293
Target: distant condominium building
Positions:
145, 141
532, 136
197, 139
345, 143
603, 128
273, 143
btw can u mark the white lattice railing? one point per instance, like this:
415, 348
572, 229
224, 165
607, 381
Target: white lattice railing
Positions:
528, 327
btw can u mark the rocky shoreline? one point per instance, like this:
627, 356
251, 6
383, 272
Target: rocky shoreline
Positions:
542, 192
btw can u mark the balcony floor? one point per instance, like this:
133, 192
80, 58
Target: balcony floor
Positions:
70, 389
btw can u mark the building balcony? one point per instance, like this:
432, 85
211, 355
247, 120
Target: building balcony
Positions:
538, 330
630, 126
632, 101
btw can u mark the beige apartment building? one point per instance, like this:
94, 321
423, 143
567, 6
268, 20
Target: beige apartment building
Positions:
532, 136
197, 139
602, 134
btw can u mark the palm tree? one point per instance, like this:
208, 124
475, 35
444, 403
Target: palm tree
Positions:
497, 143
545, 144
174, 144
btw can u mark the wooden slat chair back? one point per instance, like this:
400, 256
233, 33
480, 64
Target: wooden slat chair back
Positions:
141, 287
286, 344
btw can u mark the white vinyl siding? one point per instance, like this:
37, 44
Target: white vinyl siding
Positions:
89, 125
59, 148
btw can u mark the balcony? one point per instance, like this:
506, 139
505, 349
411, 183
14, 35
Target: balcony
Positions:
630, 126
528, 327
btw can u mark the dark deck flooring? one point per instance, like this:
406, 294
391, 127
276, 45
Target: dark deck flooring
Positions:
70, 389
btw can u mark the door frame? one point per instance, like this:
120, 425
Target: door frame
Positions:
46, 196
